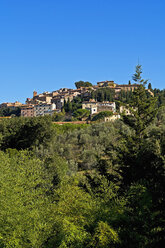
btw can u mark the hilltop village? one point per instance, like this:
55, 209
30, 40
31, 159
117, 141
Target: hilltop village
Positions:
88, 99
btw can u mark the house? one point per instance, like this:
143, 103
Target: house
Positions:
96, 107
118, 87
27, 111
58, 101
44, 109
126, 87
125, 110
91, 105
11, 105
39, 98
106, 106
110, 84
114, 117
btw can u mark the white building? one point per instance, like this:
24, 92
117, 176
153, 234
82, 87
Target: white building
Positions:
103, 106
44, 109
126, 111
91, 106
96, 107
114, 117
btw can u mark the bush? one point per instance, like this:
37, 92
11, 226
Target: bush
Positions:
81, 113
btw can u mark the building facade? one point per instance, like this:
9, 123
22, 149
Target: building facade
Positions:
27, 111
114, 117
96, 107
44, 109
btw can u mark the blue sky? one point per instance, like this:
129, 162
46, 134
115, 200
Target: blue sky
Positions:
49, 44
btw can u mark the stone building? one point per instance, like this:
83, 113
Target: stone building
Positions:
27, 111
11, 105
96, 107
44, 109
114, 117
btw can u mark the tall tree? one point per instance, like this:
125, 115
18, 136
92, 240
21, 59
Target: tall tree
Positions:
137, 75
149, 86
143, 160
142, 107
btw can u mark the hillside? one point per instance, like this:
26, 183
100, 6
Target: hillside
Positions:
94, 185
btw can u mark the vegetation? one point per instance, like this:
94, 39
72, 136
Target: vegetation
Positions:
101, 115
96, 185
160, 94
80, 84
59, 116
81, 113
103, 94
10, 112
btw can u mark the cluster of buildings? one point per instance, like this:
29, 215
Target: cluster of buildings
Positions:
117, 87
48, 103
11, 105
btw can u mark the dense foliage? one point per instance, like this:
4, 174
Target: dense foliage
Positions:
80, 84
103, 94
10, 111
95, 185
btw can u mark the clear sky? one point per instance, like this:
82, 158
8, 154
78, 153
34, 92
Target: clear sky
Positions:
49, 44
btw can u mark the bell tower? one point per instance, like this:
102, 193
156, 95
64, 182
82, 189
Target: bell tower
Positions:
34, 93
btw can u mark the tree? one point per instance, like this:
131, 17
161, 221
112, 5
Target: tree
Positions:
149, 86
10, 112
102, 96
142, 160
23, 133
86, 217
68, 106
81, 113
80, 84
137, 218
142, 107
25, 207
137, 75
59, 116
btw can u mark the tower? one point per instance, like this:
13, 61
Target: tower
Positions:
34, 93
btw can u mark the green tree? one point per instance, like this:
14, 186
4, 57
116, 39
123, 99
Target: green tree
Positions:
23, 133
81, 113
142, 107
105, 236
137, 218
137, 75
10, 112
80, 84
149, 86
25, 208
84, 218
68, 106
59, 116
142, 160
102, 96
